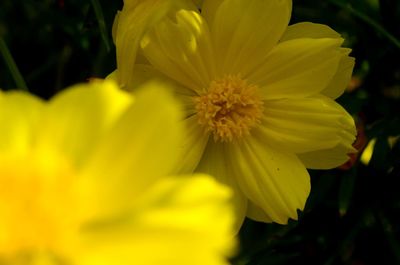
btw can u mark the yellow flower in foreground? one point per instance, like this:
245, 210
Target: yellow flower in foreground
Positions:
81, 183
258, 95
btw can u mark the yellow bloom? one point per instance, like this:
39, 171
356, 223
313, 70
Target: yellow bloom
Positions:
258, 96
81, 182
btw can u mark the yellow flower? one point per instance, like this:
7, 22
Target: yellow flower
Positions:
258, 96
81, 182
130, 25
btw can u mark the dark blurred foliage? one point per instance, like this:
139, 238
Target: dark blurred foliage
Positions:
56, 43
353, 214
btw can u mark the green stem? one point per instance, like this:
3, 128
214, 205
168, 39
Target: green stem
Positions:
102, 24
12, 66
379, 28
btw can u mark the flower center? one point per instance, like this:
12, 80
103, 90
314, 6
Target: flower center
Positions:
35, 205
230, 108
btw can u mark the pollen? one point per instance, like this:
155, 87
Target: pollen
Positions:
230, 108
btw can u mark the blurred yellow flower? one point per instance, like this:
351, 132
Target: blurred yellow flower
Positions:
81, 182
258, 95
367, 153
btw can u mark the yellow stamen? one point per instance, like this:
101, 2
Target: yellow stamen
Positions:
230, 108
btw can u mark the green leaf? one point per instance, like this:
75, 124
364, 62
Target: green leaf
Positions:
12, 66
102, 24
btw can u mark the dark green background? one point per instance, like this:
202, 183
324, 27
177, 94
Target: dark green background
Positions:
352, 216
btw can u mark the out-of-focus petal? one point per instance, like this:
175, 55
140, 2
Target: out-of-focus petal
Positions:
143, 142
78, 117
19, 113
185, 220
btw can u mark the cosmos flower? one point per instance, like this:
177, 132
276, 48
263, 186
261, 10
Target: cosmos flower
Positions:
82, 181
258, 95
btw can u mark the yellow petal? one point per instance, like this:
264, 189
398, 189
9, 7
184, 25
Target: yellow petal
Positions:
129, 27
244, 31
306, 124
114, 29
198, 3
209, 9
298, 68
275, 181
146, 74
309, 30
186, 220
257, 214
341, 79
180, 47
78, 117
140, 148
216, 161
327, 158
19, 114
193, 145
